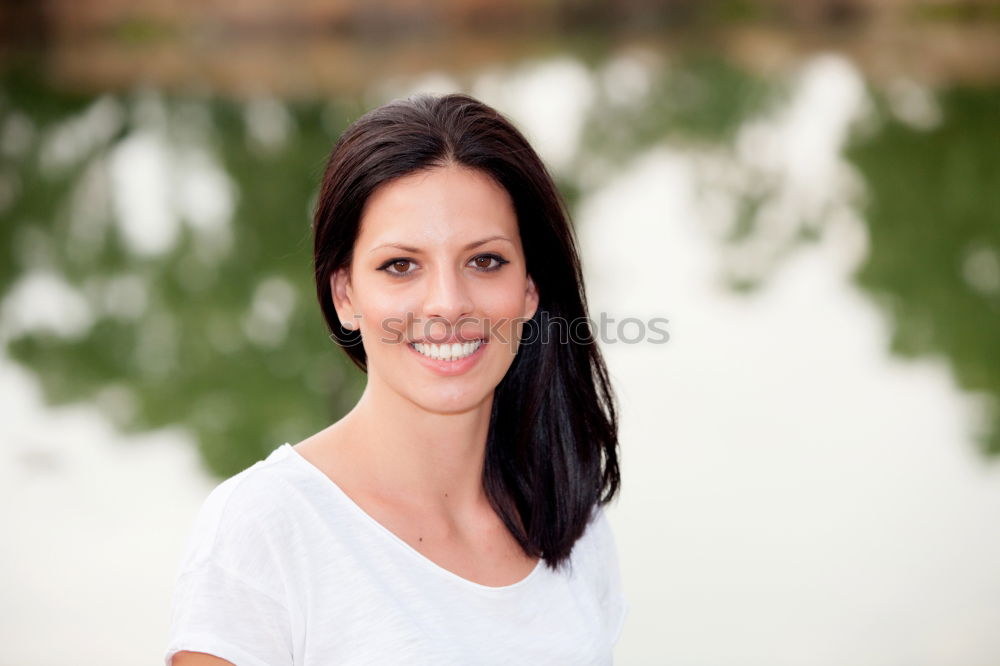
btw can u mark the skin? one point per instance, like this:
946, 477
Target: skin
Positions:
197, 659
411, 452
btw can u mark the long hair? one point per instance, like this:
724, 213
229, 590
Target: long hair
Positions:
552, 446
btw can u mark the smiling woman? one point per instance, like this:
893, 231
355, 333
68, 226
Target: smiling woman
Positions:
455, 514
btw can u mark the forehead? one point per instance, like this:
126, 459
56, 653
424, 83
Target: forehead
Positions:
439, 205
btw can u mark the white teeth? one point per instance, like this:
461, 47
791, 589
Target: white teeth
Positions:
447, 352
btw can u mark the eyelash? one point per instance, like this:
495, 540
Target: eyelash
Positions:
500, 262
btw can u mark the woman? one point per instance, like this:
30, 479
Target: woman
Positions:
455, 515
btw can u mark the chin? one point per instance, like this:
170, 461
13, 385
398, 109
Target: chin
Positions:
451, 403
441, 395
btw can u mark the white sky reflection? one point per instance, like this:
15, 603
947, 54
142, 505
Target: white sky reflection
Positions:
94, 522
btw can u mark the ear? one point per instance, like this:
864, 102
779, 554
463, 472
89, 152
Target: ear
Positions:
342, 294
530, 299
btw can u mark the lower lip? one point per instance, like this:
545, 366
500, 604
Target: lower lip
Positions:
448, 368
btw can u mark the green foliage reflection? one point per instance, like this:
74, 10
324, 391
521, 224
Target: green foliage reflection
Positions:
200, 353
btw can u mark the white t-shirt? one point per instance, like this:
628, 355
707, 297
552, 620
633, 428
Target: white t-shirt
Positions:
282, 568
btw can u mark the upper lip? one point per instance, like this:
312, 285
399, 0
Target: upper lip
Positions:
450, 340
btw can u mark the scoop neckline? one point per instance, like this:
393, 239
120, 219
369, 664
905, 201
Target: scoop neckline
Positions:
392, 536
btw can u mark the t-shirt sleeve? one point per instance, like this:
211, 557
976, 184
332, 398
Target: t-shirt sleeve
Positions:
228, 598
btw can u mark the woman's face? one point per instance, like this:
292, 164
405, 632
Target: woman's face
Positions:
438, 287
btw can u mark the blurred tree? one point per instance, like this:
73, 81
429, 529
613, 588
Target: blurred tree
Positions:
934, 227
215, 331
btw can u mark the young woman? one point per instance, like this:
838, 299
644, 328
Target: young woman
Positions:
455, 515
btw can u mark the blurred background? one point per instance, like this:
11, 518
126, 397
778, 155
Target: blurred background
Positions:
809, 191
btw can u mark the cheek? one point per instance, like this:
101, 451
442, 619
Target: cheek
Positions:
384, 311
383, 301
504, 310
506, 299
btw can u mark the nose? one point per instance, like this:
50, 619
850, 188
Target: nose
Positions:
447, 298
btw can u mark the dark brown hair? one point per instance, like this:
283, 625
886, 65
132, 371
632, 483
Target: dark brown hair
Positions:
552, 447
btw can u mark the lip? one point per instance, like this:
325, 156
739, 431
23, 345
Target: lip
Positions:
451, 368
454, 338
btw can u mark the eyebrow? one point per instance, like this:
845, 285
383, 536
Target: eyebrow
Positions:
408, 248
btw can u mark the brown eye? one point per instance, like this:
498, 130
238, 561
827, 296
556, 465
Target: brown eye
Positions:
488, 262
397, 267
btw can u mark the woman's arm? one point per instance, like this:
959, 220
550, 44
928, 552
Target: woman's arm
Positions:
198, 659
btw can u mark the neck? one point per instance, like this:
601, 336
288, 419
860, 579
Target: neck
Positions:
416, 456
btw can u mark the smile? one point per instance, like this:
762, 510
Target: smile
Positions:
447, 352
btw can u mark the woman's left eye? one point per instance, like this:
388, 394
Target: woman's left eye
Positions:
488, 262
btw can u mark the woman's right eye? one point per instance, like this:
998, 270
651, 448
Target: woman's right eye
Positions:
397, 267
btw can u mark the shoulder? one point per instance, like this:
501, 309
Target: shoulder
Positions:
231, 598
598, 557
598, 540
246, 512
